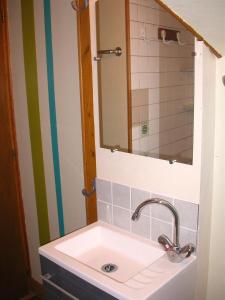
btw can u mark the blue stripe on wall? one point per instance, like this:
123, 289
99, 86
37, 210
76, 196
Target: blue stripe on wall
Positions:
52, 110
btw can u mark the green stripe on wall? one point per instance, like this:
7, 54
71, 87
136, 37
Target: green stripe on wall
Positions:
34, 118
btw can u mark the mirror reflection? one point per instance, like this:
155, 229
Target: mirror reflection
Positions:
146, 80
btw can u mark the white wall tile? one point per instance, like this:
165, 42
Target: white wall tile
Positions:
161, 212
135, 47
104, 211
144, 144
135, 132
141, 227
135, 29
154, 126
136, 115
134, 12
136, 146
121, 218
139, 97
154, 95
166, 71
158, 228
151, 31
188, 213
135, 81
144, 113
137, 197
188, 236
121, 195
103, 188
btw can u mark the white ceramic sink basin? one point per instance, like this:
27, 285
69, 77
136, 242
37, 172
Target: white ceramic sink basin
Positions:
100, 245
144, 271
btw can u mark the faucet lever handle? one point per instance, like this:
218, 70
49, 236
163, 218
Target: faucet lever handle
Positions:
187, 250
165, 242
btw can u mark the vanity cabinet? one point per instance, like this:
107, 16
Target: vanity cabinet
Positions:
60, 284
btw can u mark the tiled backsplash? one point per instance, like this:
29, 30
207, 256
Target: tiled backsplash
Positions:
117, 202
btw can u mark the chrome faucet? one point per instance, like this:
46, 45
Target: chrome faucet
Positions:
174, 251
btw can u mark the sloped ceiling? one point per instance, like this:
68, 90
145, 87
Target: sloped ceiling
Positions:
207, 17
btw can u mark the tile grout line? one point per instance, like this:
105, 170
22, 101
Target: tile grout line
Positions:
111, 191
130, 209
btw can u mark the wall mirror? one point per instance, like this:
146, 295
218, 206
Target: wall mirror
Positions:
146, 80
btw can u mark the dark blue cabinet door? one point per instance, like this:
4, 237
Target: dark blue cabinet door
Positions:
70, 283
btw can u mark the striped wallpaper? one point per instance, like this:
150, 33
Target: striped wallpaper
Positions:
52, 109
44, 61
30, 64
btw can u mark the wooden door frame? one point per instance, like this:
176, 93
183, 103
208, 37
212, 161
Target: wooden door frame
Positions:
87, 110
9, 103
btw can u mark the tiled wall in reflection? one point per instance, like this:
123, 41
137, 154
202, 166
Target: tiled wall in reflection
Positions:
162, 78
117, 202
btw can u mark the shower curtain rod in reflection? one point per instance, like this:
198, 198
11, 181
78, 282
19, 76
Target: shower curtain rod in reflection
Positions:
77, 7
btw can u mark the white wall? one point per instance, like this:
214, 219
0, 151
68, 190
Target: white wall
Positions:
67, 94
67, 90
216, 278
207, 158
205, 16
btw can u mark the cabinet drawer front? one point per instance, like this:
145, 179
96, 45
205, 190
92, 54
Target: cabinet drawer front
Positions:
50, 293
47, 279
72, 283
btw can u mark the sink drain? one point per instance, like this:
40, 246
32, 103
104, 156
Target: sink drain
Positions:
109, 268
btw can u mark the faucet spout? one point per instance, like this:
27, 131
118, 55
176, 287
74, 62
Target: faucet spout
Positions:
137, 213
173, 249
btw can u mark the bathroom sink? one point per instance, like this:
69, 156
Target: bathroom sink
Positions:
112, 252
142, 269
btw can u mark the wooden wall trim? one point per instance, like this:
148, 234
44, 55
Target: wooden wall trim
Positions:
129, 95
87, 110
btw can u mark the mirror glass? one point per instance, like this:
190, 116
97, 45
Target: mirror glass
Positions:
146, 80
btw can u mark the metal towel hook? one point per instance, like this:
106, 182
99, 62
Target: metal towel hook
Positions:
223, 79
163, 36
75, 5
178, 39
87, 193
